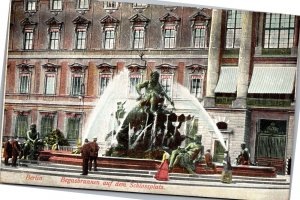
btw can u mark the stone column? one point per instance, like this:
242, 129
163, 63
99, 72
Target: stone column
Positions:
294, 49
245, 60
297, 72
214, 53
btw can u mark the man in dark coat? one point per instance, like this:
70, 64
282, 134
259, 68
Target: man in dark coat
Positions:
94, 154
16, 149
7, 153
85, 154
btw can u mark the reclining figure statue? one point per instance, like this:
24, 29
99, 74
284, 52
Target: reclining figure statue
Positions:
188, 156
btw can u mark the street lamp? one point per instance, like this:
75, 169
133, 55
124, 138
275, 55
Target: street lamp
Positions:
81, 98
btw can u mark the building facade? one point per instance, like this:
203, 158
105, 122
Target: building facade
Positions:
240, 65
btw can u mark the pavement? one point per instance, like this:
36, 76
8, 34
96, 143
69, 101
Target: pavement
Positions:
129, 180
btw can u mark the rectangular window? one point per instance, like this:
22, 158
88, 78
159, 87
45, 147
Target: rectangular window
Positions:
54, 39
279, 31
56, 4
50, 80
109, 38
83, 4
81, 39
166, 83
169, 38
196, 85
47, 123
138, 38
200, 40
219, 150
134, 79
77, 85
233, 29
271, 138
31, 5
21, 126
24, 81
110, 5
28, 40
139, 5
73, 125
104, 80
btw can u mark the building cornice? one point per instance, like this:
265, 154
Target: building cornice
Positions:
151, 54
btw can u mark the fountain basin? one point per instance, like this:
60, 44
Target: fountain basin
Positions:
65, 157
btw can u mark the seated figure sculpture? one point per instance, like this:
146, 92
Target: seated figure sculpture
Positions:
186, 157
32, 142
154, 92
209, 161
244, 156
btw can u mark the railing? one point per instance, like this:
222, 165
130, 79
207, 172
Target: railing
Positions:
61, 148
269, 102
224, 100
256, 102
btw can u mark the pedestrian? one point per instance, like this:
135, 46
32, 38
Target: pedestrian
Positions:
93, 154
16, 150
7, 153
227, 169
162, 173
85, 154
209, 161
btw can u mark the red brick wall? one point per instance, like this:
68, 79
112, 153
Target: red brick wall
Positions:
7, 120
37, 77
91, 77
120, 66
180, 72
63, 78
60, 121
11, 77
150, 68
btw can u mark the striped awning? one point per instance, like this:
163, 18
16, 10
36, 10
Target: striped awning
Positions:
228, 80
272, 80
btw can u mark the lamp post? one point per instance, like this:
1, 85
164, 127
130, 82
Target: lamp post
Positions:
81, 98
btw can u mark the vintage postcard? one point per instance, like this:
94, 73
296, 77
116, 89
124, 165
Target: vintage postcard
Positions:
146, 98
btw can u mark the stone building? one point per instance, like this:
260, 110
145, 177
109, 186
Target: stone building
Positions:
240, 65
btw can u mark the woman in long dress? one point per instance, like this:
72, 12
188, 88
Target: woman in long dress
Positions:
227, 169
162, 173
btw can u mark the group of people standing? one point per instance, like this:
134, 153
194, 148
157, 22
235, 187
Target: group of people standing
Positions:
89, 153
12, 149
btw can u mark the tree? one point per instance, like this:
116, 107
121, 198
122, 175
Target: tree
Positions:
56, 137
